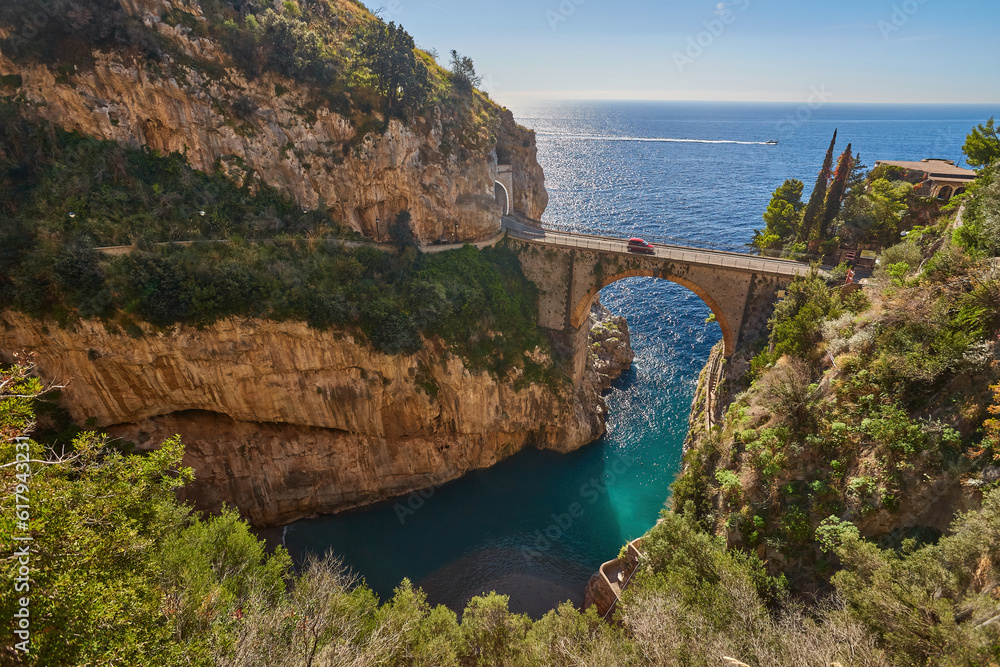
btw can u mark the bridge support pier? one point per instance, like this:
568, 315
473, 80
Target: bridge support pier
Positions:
571, 345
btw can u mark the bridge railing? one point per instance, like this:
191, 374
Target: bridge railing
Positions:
721, 259
530, 232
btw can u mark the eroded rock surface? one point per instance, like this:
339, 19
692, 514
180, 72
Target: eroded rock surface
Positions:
610, 354
610, 345
284, 421
249, 129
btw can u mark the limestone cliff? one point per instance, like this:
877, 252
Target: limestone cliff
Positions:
516, 147
281, 420
284, 421
194, 101
610, 345
608, 356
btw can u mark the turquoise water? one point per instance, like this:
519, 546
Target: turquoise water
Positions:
538, 525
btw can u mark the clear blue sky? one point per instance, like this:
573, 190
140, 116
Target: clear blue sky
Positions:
917, 51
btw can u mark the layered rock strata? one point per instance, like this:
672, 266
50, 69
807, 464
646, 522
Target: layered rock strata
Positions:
283, 421
278, 131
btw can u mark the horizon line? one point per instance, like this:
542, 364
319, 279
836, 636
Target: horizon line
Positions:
596, 96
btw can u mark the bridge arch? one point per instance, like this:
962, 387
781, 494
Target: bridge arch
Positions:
502, 196
581, 309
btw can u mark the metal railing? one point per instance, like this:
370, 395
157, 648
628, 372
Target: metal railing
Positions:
712, 385
717, 258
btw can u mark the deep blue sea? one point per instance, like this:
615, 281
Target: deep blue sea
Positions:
675, 172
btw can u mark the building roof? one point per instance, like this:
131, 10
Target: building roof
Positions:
940, 169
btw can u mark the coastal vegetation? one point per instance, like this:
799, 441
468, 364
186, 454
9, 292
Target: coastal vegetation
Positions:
849, 205
121, 573
982, 146
846, 510
869, 412
256, 254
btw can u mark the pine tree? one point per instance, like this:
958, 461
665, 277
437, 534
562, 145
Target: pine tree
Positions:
858, 180
815, 208
853, 210
782, 216
835, 195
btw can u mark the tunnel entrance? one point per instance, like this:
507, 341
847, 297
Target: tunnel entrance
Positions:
502, 197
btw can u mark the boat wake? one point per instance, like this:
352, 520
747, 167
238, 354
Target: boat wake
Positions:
651, 140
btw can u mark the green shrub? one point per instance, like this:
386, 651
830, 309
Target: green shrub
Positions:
400, 77
729, 480
478, 302
759, 365
796, 320
491, 635
907, 253
980, 231
926, 604
46, 32
889, 427
294, 50
693, 486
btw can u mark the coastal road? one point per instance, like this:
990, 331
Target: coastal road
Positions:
698, 256
534, 234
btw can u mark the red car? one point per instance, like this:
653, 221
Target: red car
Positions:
641, 247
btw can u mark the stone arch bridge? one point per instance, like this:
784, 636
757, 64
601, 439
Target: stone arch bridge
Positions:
570, 269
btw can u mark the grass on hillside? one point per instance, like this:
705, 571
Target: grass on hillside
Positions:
858, 405
64, 194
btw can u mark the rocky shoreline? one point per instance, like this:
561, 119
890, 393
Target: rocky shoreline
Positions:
610, 354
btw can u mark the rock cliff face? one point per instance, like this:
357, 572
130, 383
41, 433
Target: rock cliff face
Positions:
249, 128
610, 345
516, 147
609, 356
284, 421
278, 419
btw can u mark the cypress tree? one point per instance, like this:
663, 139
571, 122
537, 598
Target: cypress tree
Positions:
835, 196
818, 198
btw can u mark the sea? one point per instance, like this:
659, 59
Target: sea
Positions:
537, 526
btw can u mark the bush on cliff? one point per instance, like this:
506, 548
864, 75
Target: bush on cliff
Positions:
980, 233
872, 412
57, 32
931, 604
857, 206
119, 571
260, 255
